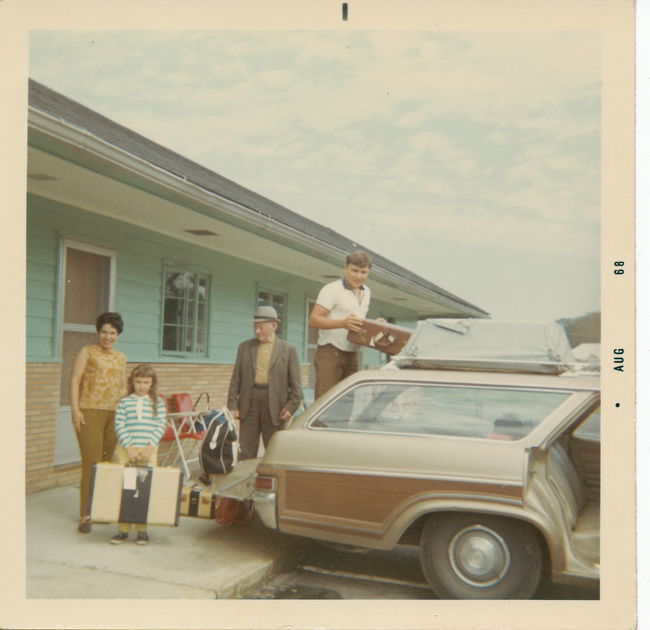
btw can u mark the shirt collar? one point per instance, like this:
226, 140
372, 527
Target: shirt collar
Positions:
349, 288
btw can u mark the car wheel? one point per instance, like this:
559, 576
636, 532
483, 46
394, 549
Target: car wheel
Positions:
477, 556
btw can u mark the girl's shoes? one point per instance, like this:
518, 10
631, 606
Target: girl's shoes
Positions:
84, 526
142, 538
119, 538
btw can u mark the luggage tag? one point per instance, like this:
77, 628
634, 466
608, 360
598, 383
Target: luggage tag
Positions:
129, 480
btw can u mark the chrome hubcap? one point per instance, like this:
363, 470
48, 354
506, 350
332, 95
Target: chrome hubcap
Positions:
479, 556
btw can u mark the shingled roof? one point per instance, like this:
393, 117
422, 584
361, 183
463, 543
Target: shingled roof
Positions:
73, 113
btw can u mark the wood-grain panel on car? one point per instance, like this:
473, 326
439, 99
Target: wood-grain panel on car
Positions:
368, 502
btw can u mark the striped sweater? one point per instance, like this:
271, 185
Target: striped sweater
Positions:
135, 423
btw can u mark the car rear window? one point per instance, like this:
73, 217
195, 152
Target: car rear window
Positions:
478, 412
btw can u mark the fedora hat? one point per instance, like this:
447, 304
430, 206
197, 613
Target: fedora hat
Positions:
265, 314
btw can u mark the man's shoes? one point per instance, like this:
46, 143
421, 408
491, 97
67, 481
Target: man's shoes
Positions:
142, 538
119, 538
84, 526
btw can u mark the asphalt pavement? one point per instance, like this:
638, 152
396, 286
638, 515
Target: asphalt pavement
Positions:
199, 559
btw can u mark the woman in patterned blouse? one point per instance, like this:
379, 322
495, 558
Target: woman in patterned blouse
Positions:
98, 382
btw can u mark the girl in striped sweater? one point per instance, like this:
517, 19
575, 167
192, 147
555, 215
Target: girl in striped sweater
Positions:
139, 425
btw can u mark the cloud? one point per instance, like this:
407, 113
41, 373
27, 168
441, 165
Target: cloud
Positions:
425, 142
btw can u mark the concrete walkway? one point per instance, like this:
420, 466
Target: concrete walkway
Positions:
197, 559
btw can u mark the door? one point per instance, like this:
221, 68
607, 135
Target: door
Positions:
86, 291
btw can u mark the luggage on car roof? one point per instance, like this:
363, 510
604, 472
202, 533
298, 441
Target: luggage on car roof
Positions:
436, 341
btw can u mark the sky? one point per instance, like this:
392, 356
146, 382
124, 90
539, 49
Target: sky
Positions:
470, 158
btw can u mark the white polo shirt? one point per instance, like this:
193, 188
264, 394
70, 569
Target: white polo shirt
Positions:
339, 299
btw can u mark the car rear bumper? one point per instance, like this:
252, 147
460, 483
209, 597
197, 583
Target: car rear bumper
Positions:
265, 506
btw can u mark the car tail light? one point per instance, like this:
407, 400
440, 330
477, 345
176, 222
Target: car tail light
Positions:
264, 483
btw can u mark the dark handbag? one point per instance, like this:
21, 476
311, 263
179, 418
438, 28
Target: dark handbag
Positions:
218, 454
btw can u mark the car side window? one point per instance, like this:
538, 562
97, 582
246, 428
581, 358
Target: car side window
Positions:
440, 410
589, 429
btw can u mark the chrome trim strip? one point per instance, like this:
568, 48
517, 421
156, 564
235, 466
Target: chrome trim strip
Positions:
400, 475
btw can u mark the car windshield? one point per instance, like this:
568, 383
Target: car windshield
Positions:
479, 412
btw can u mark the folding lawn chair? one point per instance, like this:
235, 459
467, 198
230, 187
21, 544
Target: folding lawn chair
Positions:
183, 424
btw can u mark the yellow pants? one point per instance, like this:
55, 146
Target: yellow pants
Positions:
123, 458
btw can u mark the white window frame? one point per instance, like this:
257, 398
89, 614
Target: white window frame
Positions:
170, 266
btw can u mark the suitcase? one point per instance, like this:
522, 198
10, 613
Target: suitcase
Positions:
382, 336
197, 501
231, 511
135, 494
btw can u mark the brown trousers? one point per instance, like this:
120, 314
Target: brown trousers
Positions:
258, 420
333, 365
97, 442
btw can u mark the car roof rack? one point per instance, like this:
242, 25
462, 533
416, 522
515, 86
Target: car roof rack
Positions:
492, 365
491, 345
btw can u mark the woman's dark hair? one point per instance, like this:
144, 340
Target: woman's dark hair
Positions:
146, 371
114, 319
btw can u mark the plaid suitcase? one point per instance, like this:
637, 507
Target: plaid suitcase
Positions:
135, 494
197, 501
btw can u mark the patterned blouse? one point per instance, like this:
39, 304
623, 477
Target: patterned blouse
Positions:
102, 382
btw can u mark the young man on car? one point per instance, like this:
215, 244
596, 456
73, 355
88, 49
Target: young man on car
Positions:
340, 307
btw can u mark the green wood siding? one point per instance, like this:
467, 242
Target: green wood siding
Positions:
141, 257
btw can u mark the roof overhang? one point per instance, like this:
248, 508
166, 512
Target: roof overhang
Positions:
70, 165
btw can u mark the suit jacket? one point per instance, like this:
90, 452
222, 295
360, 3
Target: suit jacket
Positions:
284, 379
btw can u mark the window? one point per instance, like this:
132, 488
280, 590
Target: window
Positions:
440, 410
267, 297
589, 429
311, 342
185, 312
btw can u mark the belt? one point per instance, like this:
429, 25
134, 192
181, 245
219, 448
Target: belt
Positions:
261, 386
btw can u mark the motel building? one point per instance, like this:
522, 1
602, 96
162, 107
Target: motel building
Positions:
116, 222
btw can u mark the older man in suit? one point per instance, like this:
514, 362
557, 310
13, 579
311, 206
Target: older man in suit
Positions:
265, 384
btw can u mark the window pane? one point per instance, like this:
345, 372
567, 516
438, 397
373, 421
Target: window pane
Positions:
590, 428
185, 309
189, 339
175, 284
456, 411
191, 311
200, 339
203, 289
201, 315
87, 285
173, 311
171, 338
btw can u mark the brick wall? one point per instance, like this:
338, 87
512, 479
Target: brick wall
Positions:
42, 399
